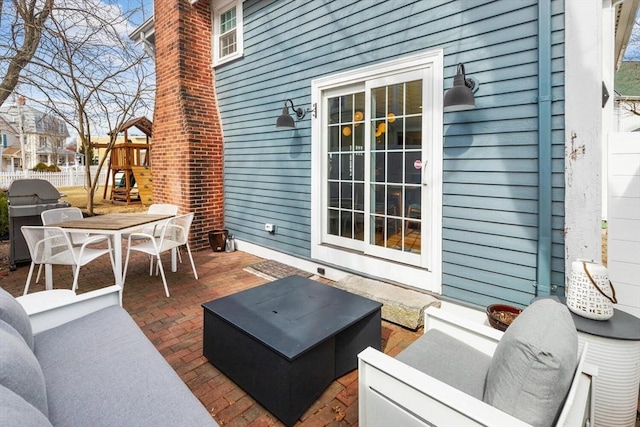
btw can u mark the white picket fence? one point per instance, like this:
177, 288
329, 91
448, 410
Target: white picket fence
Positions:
68, 178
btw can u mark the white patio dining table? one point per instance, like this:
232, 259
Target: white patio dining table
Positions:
115, 225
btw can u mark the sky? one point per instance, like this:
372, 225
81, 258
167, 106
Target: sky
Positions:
145, 10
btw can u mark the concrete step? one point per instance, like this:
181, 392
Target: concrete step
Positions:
402, 306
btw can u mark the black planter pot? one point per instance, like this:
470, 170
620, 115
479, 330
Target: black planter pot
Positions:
217, 240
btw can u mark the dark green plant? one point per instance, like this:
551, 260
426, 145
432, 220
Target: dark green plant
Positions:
40, 167
43, 167
4, 213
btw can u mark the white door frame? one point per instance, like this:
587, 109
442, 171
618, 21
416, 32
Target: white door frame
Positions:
427, 279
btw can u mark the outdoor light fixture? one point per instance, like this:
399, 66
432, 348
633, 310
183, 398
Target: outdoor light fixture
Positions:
460, 96
285, 121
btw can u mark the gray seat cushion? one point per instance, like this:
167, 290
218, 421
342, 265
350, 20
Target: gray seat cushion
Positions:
449, 360
102, 370
534, 363
12, 312
17, 412
19, 368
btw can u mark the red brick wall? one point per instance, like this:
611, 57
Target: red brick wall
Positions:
187, 137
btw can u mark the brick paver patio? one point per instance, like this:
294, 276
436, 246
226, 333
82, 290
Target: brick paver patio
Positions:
174, 325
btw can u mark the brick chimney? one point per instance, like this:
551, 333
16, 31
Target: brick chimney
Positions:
187, 145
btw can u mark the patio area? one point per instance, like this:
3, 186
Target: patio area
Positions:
174, 326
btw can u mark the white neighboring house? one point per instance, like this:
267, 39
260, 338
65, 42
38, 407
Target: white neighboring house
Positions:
43, 136
9, 147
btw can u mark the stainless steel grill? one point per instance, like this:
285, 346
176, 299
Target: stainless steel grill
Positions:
28, 198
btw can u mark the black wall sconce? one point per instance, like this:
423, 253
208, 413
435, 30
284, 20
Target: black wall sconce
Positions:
460, 96
285, 121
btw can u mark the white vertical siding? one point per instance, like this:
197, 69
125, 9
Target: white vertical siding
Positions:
623, 219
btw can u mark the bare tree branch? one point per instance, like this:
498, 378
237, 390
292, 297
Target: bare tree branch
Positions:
630, 104
19, 41
88, 72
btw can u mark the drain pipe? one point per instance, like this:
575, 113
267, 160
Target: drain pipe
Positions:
543, 273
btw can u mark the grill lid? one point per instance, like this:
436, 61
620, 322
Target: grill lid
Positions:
32, 192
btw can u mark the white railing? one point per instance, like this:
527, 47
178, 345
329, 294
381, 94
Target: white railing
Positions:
68, 178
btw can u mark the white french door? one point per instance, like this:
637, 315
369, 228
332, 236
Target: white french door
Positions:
377, 145
376, 158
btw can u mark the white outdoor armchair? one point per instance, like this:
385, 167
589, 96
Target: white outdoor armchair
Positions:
464, 373
52, 245
173, 234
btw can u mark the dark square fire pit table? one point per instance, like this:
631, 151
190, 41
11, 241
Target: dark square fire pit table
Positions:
284, 342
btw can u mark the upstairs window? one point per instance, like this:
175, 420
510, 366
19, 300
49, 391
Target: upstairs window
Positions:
227, 24
228, 41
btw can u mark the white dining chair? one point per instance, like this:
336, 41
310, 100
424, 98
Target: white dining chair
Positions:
162, 208
157, 209
173, 234
52, 245
55, 216
58, 215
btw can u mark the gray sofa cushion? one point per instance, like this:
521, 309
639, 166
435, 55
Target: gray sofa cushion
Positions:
449, 360
17, 412
19, 368
12, 312
102, 370
534, 363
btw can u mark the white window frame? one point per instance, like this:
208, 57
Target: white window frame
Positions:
217, 12
429, 278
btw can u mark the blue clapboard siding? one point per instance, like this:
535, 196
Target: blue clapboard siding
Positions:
491, 156
490, 153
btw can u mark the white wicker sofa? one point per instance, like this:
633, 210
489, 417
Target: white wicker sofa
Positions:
465, 373
81, 360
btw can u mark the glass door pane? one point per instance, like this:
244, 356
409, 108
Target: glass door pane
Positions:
375, 150
346, 161
395, 211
